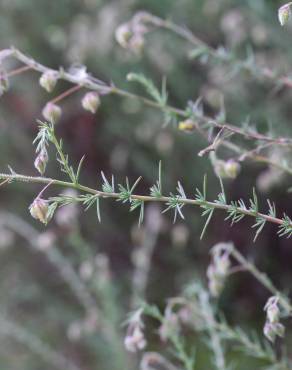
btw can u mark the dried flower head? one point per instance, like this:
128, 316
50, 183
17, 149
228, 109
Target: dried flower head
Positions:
41, 161
52, 112
48, 80
39, 210
91, 101
284, 14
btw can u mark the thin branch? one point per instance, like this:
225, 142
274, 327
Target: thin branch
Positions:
148, 198
96, 85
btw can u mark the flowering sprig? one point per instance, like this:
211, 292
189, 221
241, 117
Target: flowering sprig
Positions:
235, 210
199, 121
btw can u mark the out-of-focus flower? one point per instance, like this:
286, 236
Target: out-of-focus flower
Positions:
135, 339
284, 13
130, 35
225, 169
91, 101
123, 34
273, 327
232, 168
39, 210
271, 331
218, 269
52, 112
48, 80
41, 161
45, 240
272, 309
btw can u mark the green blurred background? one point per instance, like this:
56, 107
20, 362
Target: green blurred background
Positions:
128, 139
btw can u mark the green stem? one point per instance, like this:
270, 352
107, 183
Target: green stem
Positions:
92, 84
144, 198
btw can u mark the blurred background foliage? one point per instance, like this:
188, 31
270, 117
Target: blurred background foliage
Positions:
127, 139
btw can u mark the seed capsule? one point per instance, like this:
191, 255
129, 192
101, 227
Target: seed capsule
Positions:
39, 210
41, 161
48, 80
52, 112
91, 101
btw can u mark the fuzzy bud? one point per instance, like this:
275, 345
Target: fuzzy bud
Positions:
41, 161
284, 14
52, 112
39, 210
123, 34
232, 168
91, 101
48, 80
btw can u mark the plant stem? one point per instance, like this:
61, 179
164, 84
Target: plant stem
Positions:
144, 198
93, 84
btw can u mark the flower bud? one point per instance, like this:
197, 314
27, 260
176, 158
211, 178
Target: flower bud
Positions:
91, 101
284, 14
123, 34
41, 161
52, 112
48, 80
39, 210
232, 168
